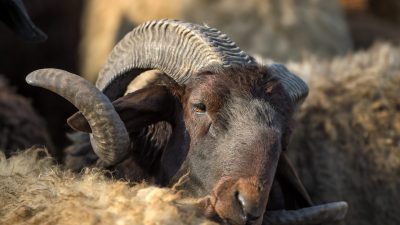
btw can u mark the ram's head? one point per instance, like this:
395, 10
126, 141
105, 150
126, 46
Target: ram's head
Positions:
177, 99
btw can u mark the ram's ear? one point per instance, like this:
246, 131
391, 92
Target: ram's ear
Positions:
79, 123
294, 193
148, 106
138, 109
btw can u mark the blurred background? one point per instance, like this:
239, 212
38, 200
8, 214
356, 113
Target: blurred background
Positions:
327, 42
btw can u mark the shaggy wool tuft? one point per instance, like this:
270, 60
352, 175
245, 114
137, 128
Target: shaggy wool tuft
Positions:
35, 191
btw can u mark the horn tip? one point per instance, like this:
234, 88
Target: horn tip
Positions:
30, 79
35, 76
343, 208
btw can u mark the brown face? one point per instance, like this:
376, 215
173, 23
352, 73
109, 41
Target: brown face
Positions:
236, 120
233, 124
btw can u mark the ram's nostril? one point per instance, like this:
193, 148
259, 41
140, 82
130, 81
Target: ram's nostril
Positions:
241, 200
246, 206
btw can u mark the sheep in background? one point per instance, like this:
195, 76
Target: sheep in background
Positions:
20, 125
60, 21
347, 141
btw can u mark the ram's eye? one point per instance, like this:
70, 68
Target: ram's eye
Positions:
199, 108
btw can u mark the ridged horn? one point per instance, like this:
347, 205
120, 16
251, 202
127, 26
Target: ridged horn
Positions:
109, 137
296, 88
320, 214
294, 85
176, 48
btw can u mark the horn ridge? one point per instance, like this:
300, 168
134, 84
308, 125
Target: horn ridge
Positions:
109, 137
177, 48
296, 88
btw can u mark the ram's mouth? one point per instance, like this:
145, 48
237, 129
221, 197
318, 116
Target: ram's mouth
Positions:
319, 214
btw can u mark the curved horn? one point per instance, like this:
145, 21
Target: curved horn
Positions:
179, 49
330, 212
176, 48
109, 137
294, 85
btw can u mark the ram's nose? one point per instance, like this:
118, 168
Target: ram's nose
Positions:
250, 213
241, 202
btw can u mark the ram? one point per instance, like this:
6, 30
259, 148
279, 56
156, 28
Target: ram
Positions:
204, 110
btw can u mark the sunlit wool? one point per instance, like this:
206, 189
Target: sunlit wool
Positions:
35, 191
